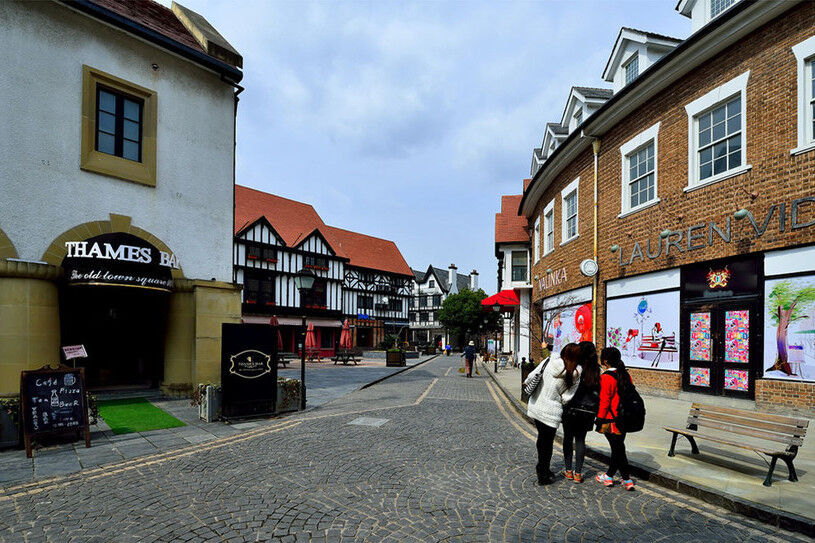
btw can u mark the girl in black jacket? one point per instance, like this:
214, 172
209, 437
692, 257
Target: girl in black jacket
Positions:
579, 413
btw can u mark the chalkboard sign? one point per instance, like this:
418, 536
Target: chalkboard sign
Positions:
53, 403
248, 369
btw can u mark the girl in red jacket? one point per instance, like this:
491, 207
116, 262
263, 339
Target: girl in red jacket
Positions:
614, 374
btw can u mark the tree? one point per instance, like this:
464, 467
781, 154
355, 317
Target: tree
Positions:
787, 304
462, 314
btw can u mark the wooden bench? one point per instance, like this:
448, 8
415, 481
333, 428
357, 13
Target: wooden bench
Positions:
285, 358
724, 425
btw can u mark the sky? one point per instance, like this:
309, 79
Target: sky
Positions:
408, 120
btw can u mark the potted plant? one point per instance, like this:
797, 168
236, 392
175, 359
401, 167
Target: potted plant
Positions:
395, 357
208, 399
288, 395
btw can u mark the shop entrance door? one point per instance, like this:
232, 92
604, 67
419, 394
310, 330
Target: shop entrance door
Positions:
720, 351
364, 337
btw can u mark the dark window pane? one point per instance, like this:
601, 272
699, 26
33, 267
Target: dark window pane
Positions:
718, 131
705, 170
704, 136
130, 150
107, 102
704, 122
734, 160
106, 143
720, 165
720, 149
107, 122
734, 124
734, 143
131, 131
734, 107
132, 110
718, 115
705, 155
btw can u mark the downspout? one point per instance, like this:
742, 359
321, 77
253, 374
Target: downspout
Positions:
595, 145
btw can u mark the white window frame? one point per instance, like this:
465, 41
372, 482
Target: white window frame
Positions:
715, 98
635, 144
805, 55
568, 191
633, 58
536, 238
548, 222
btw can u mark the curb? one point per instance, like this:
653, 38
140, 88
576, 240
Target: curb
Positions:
406, 368
768, 515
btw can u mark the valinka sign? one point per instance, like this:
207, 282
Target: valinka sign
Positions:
782, 217
119, 259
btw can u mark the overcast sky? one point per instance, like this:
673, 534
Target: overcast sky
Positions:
408, 120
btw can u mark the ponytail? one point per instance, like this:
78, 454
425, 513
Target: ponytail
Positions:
613, 357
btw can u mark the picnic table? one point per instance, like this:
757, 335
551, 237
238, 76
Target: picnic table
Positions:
347, 355
312, 354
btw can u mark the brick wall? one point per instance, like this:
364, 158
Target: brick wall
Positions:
776, 176
777, 394
659, 383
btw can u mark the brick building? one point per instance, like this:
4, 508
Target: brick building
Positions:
690, 192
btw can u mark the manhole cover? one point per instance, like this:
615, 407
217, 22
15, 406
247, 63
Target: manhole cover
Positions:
368, 421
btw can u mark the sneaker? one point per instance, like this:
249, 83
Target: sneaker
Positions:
569, 474
628, 484
604, 479
578, 478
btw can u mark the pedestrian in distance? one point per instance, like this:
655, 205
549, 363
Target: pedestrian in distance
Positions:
447, 349
613, 378
559, 377
580, 412
469, 358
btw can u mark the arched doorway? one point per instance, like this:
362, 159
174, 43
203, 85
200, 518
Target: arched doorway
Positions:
114, 300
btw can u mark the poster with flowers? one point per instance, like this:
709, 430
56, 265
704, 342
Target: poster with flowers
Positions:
736, 380
700, 377
700, 336
737, 336
789, 328
645, 328
565, 325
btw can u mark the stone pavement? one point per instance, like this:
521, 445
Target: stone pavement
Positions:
324, 382
424, 456
722, 472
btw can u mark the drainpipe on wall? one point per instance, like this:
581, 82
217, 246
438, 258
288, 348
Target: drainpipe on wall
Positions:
595, 145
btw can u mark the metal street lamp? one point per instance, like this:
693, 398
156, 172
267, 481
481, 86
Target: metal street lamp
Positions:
304, 282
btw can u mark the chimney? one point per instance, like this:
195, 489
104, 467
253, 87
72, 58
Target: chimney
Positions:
451, 278
473, 280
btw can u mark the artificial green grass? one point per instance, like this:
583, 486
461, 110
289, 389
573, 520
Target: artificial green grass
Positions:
129, 415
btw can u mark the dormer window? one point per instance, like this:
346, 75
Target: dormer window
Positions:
578, 117
717, 7
632, 69
431, 284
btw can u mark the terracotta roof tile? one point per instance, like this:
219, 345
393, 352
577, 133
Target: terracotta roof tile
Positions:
369, 252
154, 16
509, 226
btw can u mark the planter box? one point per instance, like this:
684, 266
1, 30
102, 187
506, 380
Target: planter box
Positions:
9, 431
395, 359
288, 396
210, 408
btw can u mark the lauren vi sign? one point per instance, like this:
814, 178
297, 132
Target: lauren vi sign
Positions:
783, 217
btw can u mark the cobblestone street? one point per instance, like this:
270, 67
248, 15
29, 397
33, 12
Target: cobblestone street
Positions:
424, 456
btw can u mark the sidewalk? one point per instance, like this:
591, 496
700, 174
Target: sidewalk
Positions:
723, 475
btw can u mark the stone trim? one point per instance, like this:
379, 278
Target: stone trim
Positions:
30, 270
7, 249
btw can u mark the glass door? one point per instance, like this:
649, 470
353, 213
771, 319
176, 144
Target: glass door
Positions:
720, 348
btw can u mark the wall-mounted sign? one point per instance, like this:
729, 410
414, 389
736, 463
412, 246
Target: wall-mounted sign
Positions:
118, 259
552, 279
74, 351
588, 267
722, 279
800, 213
718, 278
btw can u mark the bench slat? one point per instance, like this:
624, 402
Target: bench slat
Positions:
741, 430
769, 452
804, 423
750, 423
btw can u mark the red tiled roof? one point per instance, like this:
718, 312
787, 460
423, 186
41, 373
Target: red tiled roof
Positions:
154, 16
370, 252
295, 221
509, 226
526, 183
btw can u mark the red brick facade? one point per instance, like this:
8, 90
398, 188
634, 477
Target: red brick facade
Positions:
776, 178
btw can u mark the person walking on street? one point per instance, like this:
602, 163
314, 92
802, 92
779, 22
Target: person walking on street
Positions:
579, 413
469, 358
614, 376
559, 379
447, 349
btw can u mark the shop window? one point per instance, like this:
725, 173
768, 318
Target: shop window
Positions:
316, 298
805, 57
569, 225
519, 266
365, 302
639, 167
549, 228
118, 128
717, 132
395, 304
632, 69
259, 290
536, 239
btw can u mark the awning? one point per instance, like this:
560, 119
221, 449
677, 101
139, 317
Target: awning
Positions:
292, 321
507, 299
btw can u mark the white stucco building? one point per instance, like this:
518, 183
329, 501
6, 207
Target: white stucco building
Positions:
430, 288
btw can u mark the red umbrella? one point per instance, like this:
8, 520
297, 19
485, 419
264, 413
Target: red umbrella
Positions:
274, 322
506, 299
345, 335
311, 342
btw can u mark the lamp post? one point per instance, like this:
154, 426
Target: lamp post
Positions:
496, 308
304, 281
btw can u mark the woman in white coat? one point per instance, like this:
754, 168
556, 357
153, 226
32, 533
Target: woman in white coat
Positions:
559, 380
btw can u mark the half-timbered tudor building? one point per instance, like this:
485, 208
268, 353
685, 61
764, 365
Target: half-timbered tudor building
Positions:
359, 277
429, 290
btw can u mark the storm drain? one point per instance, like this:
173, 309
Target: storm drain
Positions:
368, 421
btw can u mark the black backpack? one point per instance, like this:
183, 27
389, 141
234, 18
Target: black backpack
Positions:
585, 402
631, 409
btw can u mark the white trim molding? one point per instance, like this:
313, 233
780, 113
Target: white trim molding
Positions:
567, 191
549, 209
650, 134
717, 96
804, 53
536, 240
